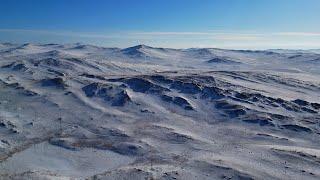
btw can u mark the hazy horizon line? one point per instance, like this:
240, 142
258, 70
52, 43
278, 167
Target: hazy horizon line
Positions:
221, 39
89, 44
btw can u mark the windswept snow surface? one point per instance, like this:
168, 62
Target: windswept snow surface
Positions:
85, 112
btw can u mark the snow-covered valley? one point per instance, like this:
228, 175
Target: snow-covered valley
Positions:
79, 111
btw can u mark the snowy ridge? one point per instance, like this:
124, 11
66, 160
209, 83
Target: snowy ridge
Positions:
87, 112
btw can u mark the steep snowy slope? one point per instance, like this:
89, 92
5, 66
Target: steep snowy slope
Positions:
86, 112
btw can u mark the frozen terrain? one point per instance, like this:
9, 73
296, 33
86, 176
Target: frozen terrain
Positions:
84, 112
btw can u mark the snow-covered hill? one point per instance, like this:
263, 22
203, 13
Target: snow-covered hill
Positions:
81, 111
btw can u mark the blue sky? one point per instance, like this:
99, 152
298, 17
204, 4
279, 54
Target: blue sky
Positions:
239, 24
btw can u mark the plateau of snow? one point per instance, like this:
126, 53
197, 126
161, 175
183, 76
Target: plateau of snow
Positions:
76, 111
